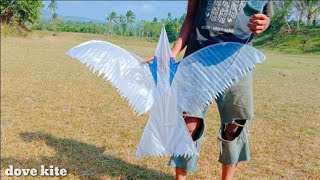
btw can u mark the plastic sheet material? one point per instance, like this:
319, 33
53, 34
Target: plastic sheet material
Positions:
123, 69
205, 74
166, 88
165, 133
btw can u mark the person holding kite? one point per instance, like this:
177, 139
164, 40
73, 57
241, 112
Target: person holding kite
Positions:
210, 22
218, 65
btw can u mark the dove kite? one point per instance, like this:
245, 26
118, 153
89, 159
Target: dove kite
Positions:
167, 88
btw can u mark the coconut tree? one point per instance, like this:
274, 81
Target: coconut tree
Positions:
130, 17
155, 20
169, 18
112, 16
301, 6
53, 6
315, 18
123, 23
313, 9
110, 19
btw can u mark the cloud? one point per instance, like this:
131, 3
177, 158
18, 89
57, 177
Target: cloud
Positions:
147, 7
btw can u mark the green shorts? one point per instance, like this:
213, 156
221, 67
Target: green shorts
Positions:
234, 105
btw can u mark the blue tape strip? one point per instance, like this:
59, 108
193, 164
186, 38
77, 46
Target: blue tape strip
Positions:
173, 68
153, 69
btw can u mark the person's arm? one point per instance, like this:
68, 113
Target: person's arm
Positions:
185, 31
186, 28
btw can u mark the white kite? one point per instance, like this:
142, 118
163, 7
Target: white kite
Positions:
167, 88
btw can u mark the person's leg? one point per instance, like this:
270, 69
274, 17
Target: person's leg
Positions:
236, 110
228, 171
193, 125
181, 174
230, 133
196, 127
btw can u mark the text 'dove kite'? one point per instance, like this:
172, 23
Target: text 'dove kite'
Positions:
166, 88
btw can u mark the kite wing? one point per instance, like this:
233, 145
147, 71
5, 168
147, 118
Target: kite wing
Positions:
123, 69
205, 74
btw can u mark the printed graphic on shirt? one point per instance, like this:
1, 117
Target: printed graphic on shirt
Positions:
221, 15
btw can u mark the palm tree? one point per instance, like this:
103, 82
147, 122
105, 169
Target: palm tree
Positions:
301, 7
155, 20
123, 23
111, 18
55, 17
53, 6
313, 9
130, 17
315, 18
169, 16
182, 18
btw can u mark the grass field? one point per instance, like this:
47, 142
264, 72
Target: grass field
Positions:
54, 111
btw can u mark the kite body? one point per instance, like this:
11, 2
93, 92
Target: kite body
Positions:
166, 88
166, 133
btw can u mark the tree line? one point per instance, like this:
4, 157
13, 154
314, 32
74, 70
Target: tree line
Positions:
294, 14
290, 17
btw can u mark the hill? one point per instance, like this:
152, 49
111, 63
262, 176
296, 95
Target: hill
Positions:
46, 16
303, 41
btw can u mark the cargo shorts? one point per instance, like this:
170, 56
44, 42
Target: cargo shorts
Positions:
235, 105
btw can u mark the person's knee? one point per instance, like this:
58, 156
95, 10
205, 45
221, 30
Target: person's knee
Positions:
232, 130
193, 124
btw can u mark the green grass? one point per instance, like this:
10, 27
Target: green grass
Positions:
304, 41
54, 111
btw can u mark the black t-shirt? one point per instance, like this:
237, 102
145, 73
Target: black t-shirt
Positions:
214, 23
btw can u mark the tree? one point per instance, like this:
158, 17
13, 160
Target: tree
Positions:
55, 17
172, 32
313, 9
169, 18
24, 11
280, 19
130, 17
6, 11
140, 28
155, 20
315, 18
110, 19
182, 18
123, 23
151, 29
301, 7
53, 6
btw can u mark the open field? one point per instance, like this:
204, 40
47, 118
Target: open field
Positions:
54, 111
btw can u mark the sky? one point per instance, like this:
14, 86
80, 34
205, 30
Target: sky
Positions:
146, 10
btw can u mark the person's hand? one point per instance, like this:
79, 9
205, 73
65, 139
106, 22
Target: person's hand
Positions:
147, 60
258, 23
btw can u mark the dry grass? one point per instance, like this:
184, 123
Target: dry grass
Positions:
56, 112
